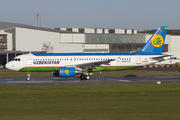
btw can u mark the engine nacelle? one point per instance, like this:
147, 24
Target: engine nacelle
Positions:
65, 72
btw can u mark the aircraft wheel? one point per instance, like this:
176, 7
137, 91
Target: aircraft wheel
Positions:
88, 77
28, 78
82, 77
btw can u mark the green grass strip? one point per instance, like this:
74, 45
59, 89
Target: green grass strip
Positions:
91, 102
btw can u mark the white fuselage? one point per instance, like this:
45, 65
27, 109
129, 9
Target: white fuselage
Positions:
30, 60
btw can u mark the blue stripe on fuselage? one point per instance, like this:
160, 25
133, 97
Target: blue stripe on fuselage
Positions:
88, 54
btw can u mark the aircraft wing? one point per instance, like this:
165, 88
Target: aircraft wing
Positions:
91, 65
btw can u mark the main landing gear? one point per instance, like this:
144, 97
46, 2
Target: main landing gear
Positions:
28, 76
85, 77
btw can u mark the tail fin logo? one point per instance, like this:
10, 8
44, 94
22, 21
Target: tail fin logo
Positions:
157, 40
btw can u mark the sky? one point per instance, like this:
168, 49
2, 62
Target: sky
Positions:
120, 14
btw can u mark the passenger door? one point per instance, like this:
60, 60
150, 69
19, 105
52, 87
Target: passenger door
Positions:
28, 60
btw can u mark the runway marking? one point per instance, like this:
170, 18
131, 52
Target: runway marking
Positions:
124, 80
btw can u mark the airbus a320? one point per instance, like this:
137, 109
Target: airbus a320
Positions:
70, 64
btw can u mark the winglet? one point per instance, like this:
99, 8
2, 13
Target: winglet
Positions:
155, 44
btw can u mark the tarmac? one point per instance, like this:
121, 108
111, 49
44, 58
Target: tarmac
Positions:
128, 79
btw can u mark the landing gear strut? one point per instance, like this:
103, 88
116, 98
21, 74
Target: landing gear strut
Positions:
85, 77
28, 76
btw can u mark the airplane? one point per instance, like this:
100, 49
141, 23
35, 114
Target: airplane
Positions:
70, 64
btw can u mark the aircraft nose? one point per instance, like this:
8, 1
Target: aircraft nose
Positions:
7, 65
10, 66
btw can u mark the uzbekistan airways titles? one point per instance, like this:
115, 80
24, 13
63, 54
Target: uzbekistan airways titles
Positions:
41, 62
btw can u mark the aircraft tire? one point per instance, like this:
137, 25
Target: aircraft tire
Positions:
82, 77
28, 78
88, 77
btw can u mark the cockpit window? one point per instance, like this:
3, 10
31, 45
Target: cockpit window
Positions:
16, 59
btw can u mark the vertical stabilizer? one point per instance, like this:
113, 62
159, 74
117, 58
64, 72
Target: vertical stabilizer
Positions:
155, 44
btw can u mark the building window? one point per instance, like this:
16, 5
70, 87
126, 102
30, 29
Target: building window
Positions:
128, 47
1, 37
165, 48
4, 37
4, 44
125, 31
69, 29
111, 30
81, 30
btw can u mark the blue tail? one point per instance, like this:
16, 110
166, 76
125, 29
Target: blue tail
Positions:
155, 44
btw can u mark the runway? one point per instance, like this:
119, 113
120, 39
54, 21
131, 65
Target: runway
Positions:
130, 79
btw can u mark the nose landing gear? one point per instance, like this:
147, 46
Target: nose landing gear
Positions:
28, 76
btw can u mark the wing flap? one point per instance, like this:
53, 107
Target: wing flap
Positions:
91, 65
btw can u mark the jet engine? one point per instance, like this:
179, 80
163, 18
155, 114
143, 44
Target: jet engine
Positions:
65, 72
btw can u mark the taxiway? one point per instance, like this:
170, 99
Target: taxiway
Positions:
129, 79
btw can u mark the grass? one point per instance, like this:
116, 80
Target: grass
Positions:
4, 73
91, 102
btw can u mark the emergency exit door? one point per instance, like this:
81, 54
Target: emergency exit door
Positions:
138, 59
